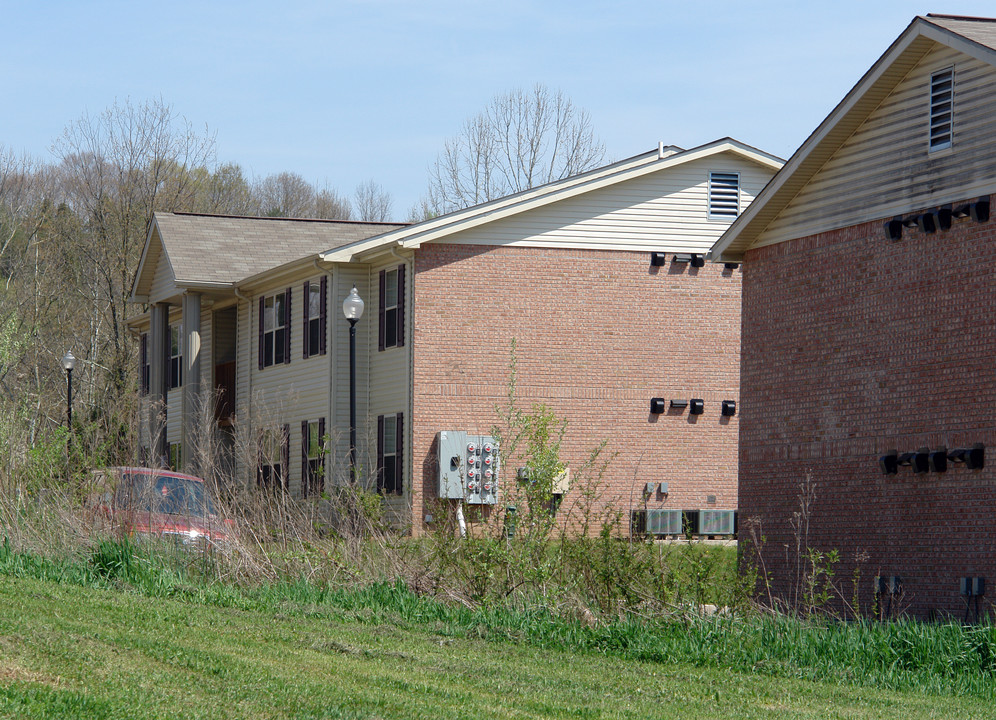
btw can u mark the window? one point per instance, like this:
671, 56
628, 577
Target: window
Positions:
175, 356
942, 109
144, 369
390, 479
312, 457
274, 329
724, 194
315, 303
392, 308
274, 458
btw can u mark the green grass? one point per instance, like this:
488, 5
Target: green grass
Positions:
70, 651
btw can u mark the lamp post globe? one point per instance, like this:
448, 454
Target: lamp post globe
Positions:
352, 308
68, 363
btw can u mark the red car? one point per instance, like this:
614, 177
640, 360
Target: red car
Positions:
147, 502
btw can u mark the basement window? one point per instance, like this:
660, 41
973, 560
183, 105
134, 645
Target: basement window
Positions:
724, 195
942, 109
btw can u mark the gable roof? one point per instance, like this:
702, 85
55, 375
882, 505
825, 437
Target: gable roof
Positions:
663, 157
221, 250
975, 37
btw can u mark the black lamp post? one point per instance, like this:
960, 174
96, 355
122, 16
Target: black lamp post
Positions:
352, 308
68, 363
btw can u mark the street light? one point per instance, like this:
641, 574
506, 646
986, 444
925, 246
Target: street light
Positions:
68, 363
352, 308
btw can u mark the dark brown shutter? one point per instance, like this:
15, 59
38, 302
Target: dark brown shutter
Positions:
324, 313
380, 450
285, 458
287, 326
319, 482
399, 453
261, 310
304, 458
401, 306
306, 311
382, 297
259, 460
143, 360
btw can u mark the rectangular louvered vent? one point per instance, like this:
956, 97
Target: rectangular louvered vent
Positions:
664, 522
724, 194
716, 522
941, 108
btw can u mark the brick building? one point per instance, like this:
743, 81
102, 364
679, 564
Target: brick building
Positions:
869, 334
600, 279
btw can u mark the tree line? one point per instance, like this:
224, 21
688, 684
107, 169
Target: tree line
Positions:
72, 231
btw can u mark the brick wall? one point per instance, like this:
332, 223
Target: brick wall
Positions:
598, 333
853, 346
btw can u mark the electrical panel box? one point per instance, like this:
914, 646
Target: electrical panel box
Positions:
663, 522
469, 467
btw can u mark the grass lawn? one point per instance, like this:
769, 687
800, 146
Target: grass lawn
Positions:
68, 651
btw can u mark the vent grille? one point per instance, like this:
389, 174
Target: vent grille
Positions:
941, 108
715, 522
724, 194
664, 522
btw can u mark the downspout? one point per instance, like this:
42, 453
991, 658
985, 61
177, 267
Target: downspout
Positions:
410, 353
331, 346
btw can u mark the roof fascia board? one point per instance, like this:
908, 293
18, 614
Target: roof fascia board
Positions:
345, 253
519, 203
300, 268
598, 183
825, 128
153, 231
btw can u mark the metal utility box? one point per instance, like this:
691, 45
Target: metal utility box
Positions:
664, 522
469, 467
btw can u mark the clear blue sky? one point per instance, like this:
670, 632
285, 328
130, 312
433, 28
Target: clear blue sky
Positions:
343, 92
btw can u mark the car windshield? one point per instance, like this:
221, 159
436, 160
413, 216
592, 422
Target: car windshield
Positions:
169, 495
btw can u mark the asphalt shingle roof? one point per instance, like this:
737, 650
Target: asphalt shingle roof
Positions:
224, 249
979, 30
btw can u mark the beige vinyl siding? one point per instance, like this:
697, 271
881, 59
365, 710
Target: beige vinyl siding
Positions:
287, 393
344, 277
163, 285
390, 383
666, 210
885, 168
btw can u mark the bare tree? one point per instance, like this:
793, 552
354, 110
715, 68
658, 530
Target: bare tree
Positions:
116, 169
373, 203
330, 205
285, 194
521, 140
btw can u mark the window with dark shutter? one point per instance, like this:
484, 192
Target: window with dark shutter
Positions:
314, 318
175, 356
274, 458
942, 109
274, 343
724, 194
392, 308
389, 442
312, 457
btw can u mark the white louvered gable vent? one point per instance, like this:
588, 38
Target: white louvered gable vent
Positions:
941, 108
724, 194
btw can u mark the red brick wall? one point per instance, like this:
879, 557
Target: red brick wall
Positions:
853, 346
599, 333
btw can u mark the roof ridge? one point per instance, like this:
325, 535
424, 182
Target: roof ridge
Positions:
294, 219
975, 18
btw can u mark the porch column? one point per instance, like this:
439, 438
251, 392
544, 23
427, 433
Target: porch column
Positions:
196, 419
158, 383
